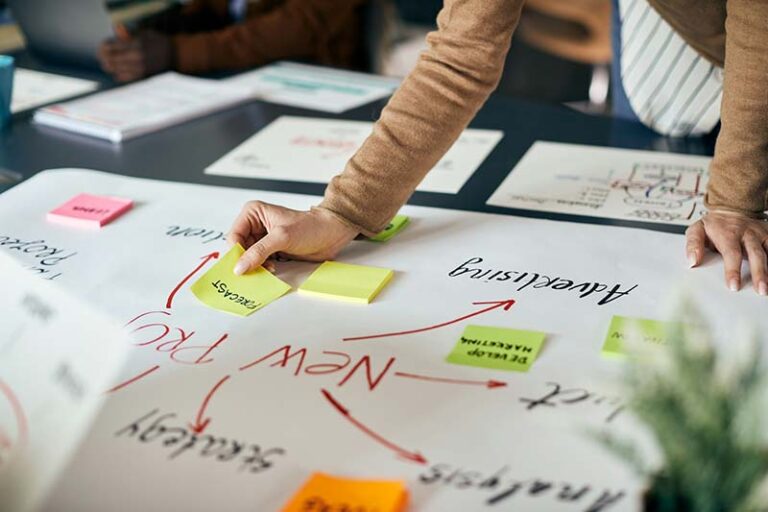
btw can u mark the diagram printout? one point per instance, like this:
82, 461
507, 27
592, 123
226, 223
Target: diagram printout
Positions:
624, 184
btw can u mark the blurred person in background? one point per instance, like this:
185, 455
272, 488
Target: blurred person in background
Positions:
205, 36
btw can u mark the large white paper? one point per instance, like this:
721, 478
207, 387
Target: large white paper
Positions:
314, 87
143, 107
624, 184
528, 435
33, 89
315, 150
56, 358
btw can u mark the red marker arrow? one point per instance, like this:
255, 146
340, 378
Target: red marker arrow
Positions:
495, 304
200, 424
17, 411
206, 259
400, 452
490, 384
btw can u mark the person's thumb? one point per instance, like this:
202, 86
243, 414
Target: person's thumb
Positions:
258, 253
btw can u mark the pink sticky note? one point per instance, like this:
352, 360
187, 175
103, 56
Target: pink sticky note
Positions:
91, 211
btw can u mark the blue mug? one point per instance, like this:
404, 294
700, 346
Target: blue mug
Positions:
6, 88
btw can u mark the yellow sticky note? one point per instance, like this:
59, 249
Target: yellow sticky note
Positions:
636, 332
393, 228
344, 281
326, 492
221, 289
497, 347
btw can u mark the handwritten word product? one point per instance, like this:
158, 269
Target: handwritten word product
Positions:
221, 289
394, 227
643, 186
498, 348
344, 281
326, 492
90, 211
625, 333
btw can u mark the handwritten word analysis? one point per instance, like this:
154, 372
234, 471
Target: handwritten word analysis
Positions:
502, 487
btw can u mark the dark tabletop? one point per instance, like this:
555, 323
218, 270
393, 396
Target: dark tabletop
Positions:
181, 153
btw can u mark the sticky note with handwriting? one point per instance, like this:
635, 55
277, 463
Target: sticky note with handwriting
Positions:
626, 332
344, 281
497, 347
326, 492
221, 289
394, 227
90, 211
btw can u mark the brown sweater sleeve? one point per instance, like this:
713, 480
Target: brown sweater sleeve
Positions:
451, 81
294, 29
739, 170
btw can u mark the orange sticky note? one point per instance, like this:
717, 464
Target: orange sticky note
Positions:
326, 492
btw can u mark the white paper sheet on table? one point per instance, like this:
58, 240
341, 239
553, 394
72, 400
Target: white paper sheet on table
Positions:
57, 358
315, 87
480, 443
33, 89
315, 150
624, 184
143, 107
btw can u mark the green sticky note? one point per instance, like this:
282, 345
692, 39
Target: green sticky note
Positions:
344, 281
639, 332
395, 226
497, 347
221, 289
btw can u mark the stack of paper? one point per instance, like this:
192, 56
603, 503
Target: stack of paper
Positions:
34, 88
144, 107
315, 87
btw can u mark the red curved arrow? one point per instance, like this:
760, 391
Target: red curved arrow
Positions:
490, 384
18, 412
405, 454
200, 424
495, 304
206, 259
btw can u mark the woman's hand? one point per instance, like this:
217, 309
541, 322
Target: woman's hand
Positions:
265, 229
134, 57
733, 236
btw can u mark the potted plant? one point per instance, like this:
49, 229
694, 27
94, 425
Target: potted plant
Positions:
706, 414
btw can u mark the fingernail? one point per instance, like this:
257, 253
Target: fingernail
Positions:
240, 268
691, 259
733, 284
762, 288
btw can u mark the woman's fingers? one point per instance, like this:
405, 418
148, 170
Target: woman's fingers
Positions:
695, 240
730, 249
259, 252
757, 262
248, 227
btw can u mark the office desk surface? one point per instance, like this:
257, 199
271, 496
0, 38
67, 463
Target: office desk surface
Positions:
181, 153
